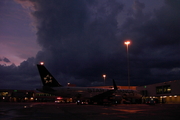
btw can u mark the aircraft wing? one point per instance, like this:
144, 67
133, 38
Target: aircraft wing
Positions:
104, 95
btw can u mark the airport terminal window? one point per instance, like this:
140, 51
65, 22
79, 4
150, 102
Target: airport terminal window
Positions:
3, 93
159, 89
167, 89
163, 89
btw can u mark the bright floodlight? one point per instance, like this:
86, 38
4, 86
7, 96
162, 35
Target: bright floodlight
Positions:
104, 76
41, 63
127, 42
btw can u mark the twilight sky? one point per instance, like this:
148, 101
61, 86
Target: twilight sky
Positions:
79, 40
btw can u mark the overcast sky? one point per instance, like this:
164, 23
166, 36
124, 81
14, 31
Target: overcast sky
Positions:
80, 40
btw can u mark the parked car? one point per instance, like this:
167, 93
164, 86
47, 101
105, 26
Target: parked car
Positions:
150, 101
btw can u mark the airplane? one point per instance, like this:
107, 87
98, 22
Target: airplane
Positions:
88, 94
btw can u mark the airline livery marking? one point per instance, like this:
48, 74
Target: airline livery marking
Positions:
48, 79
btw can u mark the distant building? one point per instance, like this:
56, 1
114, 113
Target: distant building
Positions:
71, 85
165, 92
8, 95
119, 87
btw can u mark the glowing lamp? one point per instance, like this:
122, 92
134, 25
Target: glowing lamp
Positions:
41, 63
104, 76
127, 42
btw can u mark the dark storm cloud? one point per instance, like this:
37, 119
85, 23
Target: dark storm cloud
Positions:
155, 46
6, 60
91, 47
19, 77
81, 40
77, 36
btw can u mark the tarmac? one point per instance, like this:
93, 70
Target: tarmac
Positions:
71, 111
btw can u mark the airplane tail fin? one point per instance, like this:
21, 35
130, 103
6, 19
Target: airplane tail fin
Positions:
114, 84
47, 79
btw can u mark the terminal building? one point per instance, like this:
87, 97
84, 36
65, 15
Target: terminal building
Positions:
165, 92
8, 95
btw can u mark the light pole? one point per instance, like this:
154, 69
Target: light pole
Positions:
104, 76
127, 44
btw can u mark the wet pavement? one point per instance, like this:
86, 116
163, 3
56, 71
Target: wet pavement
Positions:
71, 111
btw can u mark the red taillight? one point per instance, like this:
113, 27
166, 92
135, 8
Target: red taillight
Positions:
58, 98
